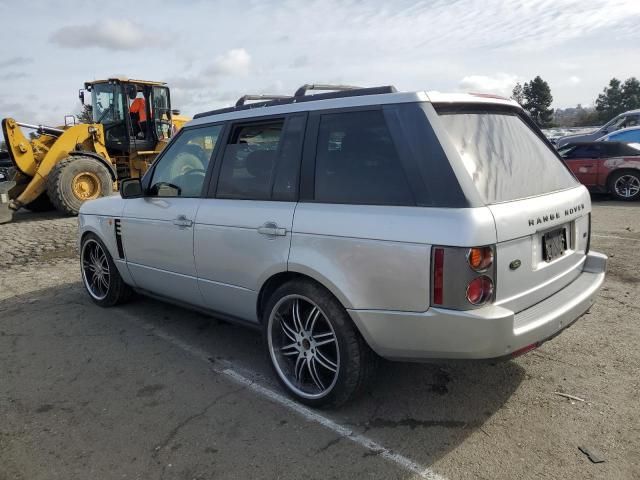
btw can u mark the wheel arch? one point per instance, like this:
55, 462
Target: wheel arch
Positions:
95, 156
280, 278
617, 171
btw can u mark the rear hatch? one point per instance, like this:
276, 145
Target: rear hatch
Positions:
541, 212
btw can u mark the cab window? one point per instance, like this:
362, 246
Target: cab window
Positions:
181, 170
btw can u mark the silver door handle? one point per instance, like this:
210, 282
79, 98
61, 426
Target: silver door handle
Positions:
182, 221
270, 228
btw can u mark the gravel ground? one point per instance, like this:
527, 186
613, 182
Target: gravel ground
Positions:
135, 391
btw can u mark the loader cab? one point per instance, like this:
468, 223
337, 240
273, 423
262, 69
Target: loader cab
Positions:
135, 115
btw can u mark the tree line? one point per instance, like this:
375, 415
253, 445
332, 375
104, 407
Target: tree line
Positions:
617, 97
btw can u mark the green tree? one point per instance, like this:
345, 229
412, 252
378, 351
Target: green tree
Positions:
611, 101
518, 94
537, 101
85, 115
631, 93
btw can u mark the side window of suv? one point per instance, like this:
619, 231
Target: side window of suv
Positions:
181, 170
249, 161
357, 162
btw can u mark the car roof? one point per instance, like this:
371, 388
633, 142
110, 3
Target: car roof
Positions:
340, 100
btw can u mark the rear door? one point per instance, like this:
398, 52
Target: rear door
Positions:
157, 230
243, 228
540, 211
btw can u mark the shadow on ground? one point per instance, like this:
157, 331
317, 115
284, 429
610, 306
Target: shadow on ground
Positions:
420, 410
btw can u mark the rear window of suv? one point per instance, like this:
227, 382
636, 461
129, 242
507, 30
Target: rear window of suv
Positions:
505, 158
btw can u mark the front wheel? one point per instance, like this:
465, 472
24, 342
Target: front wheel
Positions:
318, 355
625, 185
100, 275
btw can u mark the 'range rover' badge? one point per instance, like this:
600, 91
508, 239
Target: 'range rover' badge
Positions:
515, 264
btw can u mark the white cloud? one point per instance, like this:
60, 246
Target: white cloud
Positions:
501, 83
109, 34
235, 62
15, 61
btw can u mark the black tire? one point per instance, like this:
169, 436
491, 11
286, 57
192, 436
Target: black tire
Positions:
628, 178
61, 178
117, 291
356, 362
40, 204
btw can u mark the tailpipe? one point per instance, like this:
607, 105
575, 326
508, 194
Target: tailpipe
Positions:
6, 214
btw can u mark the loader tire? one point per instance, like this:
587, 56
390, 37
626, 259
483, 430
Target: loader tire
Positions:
75, 180
40, 204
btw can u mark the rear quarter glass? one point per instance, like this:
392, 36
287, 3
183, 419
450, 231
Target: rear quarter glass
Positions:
505, 156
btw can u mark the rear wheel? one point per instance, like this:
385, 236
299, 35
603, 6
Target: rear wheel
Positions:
317, 353
100, 276
625, 185
75, 180
40, 204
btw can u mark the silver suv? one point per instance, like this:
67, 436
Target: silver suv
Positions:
352, 224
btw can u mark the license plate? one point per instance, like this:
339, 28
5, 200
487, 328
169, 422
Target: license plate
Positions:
554, 244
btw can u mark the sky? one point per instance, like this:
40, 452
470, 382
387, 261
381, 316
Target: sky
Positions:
213, 52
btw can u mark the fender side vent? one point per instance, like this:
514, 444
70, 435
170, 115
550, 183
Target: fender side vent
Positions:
118, 228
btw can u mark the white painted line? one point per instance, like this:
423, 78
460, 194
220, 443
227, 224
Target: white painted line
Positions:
344, 432
229, 370
616, 237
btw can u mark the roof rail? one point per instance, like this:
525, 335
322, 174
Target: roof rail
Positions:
241, 101
344, 91
326, 87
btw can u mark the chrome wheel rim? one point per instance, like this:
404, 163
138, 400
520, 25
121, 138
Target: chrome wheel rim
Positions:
96, 274
627, 186
303, 347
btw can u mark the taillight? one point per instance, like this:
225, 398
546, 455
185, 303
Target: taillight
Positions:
438, 275
480, 290
586, 250
466, 273
480, 258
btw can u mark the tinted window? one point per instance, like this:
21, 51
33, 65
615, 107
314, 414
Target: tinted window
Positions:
249, 161
181, 170
583, 151
504, 157
356, 161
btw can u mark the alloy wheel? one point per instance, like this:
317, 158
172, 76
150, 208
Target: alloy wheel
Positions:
303, 347
96, 273
627, 186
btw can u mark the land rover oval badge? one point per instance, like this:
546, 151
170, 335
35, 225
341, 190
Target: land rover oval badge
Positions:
515, 264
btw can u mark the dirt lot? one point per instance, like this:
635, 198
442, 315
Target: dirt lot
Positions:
151, 391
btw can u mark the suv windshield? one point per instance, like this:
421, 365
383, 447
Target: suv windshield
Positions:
504, 157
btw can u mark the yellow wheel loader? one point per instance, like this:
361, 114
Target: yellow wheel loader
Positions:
62, 167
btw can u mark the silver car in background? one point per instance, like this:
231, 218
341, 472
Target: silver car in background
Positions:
355, 224
624, 120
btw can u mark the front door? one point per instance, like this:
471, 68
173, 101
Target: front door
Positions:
157, 230
243, 230
583, 162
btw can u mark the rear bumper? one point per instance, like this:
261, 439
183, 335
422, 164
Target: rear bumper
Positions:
488, 332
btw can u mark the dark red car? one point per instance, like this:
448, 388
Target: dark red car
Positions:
606, 167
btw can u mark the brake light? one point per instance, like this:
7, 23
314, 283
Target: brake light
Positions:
438, 275
480, 258
480, 290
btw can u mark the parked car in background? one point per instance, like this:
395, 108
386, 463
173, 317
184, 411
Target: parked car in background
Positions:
624, 120
606, 167
627, 135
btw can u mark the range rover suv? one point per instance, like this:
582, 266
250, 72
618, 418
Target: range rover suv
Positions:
353, 224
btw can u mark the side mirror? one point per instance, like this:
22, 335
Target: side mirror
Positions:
81, 96
131, 188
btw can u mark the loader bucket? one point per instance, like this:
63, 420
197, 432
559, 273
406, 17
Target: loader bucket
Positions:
6, 215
